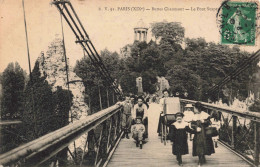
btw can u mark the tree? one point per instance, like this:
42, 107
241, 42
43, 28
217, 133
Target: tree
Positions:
13, 81
168, 32
38, 106
128, 82
111, 61
98, 90
170, 36
149, 81
183, 80
212, 62
145, 62
44, 110
63, 102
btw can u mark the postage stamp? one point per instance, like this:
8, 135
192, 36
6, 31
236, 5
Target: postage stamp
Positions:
237, 22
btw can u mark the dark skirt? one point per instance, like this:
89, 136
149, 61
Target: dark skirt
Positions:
202, 145
179, 139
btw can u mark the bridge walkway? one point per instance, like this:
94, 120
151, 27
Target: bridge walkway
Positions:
154, 153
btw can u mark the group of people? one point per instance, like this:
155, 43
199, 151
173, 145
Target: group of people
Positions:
202, 143
193, 121
135, 119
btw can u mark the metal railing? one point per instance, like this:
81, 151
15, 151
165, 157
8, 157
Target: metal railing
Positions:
103, 131
239, 130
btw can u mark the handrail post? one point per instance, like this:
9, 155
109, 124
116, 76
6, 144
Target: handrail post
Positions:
104, 140
234, 130
257, 142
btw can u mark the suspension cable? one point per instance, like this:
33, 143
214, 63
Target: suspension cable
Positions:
30, 71
67, 73
66, 66
84, 41
26, 35
243, 66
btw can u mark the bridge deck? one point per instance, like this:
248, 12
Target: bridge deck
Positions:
154, 153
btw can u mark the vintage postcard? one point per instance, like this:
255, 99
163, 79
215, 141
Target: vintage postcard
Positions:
124, 83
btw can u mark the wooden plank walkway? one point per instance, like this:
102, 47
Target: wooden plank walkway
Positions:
155, 154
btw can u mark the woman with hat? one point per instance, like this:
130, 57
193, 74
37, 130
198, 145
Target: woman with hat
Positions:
178, 135
202, 144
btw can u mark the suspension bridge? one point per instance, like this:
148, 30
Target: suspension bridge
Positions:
104, 145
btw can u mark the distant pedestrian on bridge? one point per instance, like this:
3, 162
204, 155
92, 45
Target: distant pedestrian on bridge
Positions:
202, 144
126, 117
161, 103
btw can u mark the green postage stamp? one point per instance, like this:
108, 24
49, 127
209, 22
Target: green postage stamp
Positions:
238, 22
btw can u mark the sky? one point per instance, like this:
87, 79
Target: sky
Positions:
107, 26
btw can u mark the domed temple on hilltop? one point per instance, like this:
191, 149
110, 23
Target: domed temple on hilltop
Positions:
141, 31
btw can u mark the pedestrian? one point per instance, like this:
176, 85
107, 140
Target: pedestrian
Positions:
178, 136
215, 123
138, 131
188, 115
126, 117
202, 144
140, 110
161, 116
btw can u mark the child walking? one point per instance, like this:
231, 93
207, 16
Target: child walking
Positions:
215, 117
178, 135
188, 115
138, 131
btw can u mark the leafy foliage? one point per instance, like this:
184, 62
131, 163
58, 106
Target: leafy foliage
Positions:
183, 80
96, 86
44, 111
13, 82
169, 33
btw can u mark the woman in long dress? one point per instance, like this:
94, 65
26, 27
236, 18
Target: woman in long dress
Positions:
202, 144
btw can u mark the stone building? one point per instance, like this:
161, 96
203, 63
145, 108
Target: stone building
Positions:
140, 31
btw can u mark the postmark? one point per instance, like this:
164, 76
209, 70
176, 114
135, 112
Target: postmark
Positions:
237, 22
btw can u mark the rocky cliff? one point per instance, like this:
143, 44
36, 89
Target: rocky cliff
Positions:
52, 65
